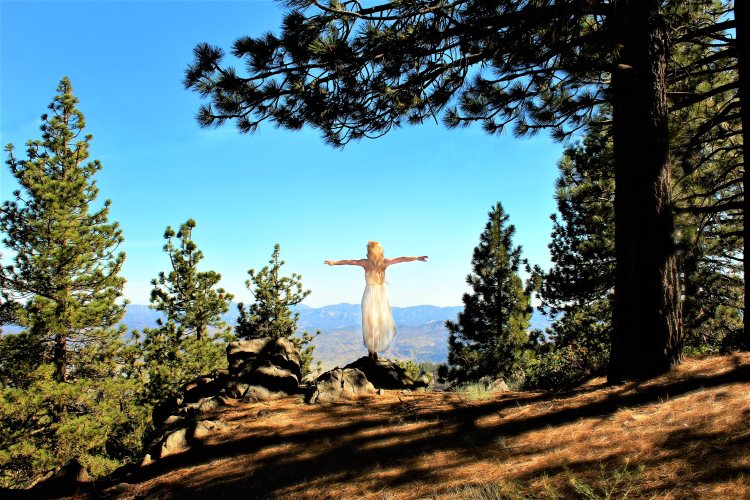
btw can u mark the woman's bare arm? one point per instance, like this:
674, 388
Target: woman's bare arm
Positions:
398, 260
346, 262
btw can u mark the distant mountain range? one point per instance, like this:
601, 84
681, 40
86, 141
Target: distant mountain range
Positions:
422, 335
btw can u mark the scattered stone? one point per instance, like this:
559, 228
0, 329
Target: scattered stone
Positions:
259, 370
236, 389
73, 471
263, 414
245, 355
164, 410
348, 383
499, 385
205, 427
174, 420
424, 380
270, 376
200, 388
176, 442
60, 482
256, 393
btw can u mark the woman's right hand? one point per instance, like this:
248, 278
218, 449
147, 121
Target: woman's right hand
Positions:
329, 262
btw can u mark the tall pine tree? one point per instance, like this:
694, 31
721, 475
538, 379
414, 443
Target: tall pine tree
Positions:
66, 261
270, 315
64, 392
489, 336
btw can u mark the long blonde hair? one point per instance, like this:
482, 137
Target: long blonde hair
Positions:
375, 258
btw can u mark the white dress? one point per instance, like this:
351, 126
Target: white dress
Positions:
378, 328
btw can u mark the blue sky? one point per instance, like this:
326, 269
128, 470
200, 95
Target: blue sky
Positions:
419, 190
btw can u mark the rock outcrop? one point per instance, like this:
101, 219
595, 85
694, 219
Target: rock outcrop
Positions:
262, 370
347, 383
363, 377
66, 480
385, 374
259, 370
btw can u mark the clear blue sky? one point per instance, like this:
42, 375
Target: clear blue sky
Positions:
419, 190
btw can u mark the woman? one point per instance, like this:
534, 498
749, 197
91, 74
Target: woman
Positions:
378, 328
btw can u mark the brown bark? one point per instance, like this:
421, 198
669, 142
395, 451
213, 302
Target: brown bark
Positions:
647, 322
743, 63
61, 357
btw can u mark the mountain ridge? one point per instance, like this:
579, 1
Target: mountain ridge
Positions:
422, 335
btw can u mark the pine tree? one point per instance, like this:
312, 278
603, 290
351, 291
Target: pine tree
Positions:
355, 71
63, 390
488, 338
743, 76
270, 315
708, 180
188, 297
578, 289
65, 255
182, 346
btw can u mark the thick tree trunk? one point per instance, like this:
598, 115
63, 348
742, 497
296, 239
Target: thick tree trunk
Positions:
743, 59
647, 337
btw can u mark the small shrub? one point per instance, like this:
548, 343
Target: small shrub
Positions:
618, 483
415, 370
505, 490
563, 368
474, 391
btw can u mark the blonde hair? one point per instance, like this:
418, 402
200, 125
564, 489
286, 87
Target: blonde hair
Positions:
375, 258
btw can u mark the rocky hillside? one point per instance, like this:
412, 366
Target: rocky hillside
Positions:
682, 435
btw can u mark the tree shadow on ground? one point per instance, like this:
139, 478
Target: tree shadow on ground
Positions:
369, 436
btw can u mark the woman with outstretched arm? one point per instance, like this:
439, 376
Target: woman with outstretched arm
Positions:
378, 328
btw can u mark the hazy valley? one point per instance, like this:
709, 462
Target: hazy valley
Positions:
422, 335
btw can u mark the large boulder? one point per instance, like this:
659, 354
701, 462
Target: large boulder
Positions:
271, 376
245, 355
62, 481
385, 374
347, 383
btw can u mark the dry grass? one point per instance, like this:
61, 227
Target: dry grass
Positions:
683, 435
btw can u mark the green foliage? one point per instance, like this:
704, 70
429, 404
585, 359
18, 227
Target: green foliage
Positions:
415, 370
610, 483
192, 339
617, 483
188, 297
559, 368
65, 389
489, 337
530, 65
708, 158
406, 62
474, 390
578, 290
270, 315
65, 259
170, 360
47, 422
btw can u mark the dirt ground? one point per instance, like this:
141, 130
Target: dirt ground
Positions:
683, 435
